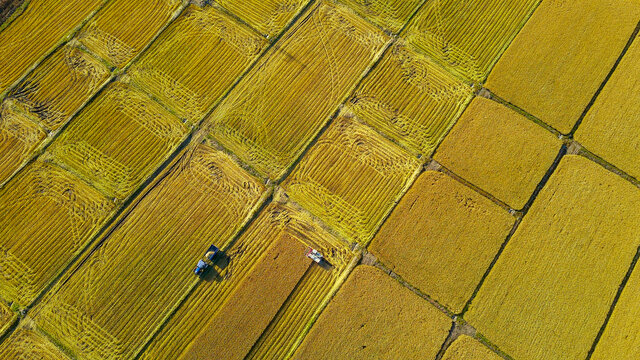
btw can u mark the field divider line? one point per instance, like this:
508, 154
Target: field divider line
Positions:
52, 136
634, 35
17, 12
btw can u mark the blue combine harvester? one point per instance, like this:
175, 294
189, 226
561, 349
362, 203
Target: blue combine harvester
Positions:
207, 260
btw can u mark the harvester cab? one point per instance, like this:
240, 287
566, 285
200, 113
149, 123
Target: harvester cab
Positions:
206, 261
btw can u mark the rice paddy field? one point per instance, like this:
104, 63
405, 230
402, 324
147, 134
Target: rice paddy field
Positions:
382, 179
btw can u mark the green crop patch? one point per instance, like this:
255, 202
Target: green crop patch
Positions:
549, 292
460, 230
351, 178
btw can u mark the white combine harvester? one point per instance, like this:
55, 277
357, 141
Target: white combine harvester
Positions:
314, 255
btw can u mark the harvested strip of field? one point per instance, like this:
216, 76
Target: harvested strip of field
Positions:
621, 337
28, 344
410, 99
351, 178
281, 105
118, 140
48, 216
252, 305
499, 150
442, 237
374, 317
468, 348
195, 60
124, 290
550, 290
123, 27
35, 32
59, 86
561, 57
389, 14
19, 136
277, 221
269, 17
7, 317
467, 37
611, 128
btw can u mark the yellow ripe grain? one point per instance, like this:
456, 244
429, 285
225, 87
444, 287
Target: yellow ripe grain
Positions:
7, 317
499, 150
621, 337
121, 29
195, 60
48, 216
28, 344
36, 31
611, 128
127, 287
59, 86
549, 292
410, 99
276, 221
269, 17
19, 136
562, 55
252, 305
468, 348
468, 37
374, 317
389, 14
441, 238
351, 178
118, 140
275, 112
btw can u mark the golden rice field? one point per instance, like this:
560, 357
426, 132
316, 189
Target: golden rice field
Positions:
466, 172
36, 32
351, 178
268, 17
190, 79
48, 216
118, 139
122, 28
19, 137
290, 94
410, 99
81, 314
59, 86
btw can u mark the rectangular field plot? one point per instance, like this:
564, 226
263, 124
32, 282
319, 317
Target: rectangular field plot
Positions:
121, 29
559, 59
283, 224
549, 292
118, 140
410, 99
19, 137
110, 306
36, 31
269, 17
390, 14
611, 128
460, 229
196, 60
59, 86
351, 178
285, 100
26, 343
621, 337
374, 317
467, 37
48, 215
